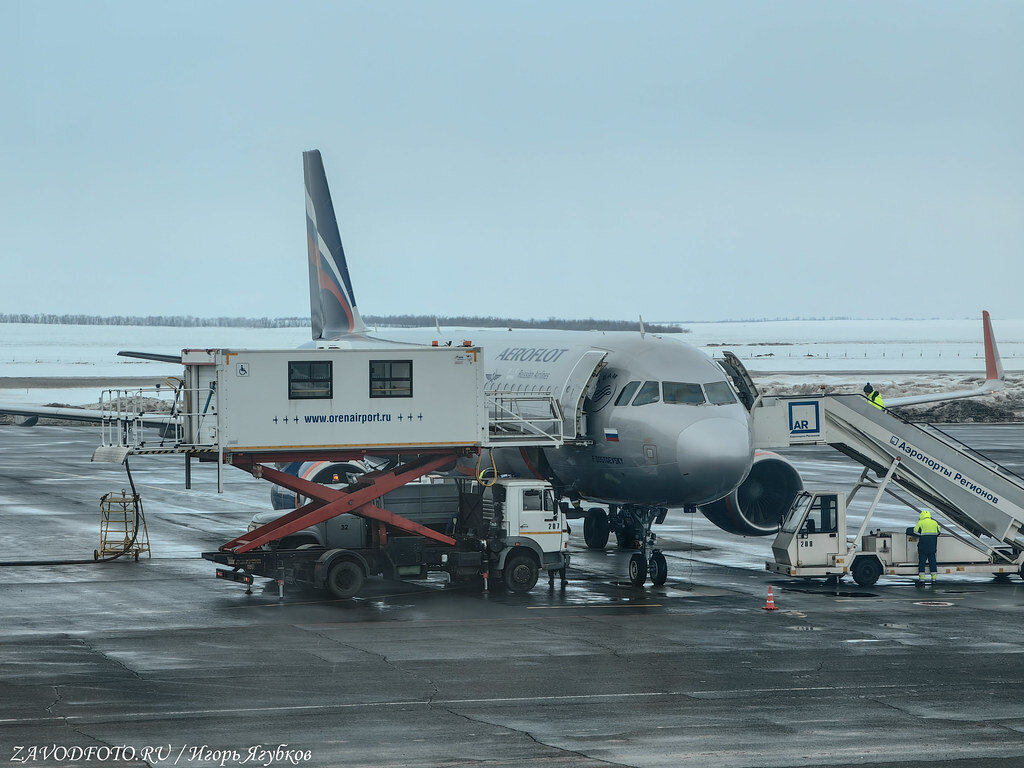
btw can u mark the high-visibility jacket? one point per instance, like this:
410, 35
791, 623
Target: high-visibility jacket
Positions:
876, 399
925, 525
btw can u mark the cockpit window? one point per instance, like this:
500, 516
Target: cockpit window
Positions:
720, 393
627, 393
678, 392
648, 393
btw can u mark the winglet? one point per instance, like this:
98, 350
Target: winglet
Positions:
993, 363
332, 302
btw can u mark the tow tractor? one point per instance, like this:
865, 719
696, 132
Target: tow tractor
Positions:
813, 543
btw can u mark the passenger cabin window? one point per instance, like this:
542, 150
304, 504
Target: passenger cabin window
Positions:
310, 380
627, 393
649, 393
391, 378
720, 393
677, 392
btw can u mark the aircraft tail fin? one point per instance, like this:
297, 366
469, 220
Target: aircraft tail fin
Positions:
993, 363
332, 302
994, 376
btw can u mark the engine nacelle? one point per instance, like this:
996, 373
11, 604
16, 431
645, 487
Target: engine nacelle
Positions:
757, 507
325, 472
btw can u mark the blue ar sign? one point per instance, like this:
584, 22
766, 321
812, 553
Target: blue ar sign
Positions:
804, 418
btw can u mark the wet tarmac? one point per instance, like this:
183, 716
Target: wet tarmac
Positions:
157, 663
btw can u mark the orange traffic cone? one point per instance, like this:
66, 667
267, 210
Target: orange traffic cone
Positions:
770, 603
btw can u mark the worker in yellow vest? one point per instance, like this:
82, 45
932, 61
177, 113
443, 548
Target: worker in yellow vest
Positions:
873, 397
927, 531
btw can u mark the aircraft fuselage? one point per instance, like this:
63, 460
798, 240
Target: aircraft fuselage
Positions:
671, 440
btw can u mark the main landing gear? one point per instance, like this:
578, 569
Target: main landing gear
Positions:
631, 524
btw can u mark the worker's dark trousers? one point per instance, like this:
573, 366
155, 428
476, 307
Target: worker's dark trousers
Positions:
926, 547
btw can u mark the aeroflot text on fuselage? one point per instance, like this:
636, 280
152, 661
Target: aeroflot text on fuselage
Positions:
531, 354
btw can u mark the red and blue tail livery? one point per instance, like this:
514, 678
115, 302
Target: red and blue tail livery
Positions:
332, 302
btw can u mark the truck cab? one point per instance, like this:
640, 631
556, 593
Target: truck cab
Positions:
810, 531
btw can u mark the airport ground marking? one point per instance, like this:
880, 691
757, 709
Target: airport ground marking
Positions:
299, 708
593, 605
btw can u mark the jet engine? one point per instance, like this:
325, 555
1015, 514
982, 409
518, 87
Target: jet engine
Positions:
758, 505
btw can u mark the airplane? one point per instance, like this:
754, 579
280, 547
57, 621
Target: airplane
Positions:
660, 424
654, 422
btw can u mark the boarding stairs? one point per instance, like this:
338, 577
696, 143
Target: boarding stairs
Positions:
969, 489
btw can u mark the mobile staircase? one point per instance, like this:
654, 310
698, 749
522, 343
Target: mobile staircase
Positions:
967, 488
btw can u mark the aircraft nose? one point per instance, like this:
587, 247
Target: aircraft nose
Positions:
714, 456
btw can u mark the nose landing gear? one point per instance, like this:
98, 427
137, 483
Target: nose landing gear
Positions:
642, 565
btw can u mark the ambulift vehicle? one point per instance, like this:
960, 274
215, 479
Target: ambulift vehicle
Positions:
813, 543
509, 530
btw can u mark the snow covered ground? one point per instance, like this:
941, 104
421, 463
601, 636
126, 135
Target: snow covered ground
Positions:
897, 356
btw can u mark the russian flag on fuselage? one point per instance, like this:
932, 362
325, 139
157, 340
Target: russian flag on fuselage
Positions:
611, 435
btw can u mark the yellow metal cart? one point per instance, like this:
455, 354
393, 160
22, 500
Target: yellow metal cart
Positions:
122, 526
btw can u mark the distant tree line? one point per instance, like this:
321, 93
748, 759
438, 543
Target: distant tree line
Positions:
393, 321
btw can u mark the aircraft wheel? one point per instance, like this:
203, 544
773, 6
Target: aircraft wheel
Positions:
345, 579
96, 556
637, 569
595, 529
866, 571
658, 569
520, 573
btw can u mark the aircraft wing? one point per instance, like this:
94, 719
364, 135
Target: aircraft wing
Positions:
32, 413
994, 375
151, 356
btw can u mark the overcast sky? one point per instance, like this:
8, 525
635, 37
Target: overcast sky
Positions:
679, 160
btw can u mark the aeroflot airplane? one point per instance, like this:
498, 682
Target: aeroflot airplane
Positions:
654, 422
658, 423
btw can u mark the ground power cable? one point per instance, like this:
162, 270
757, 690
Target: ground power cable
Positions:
94, 561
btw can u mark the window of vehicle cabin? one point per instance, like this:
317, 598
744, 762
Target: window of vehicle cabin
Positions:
310, 380
678, 392
532, 499
627, 393
823, 515
650, 392
720, 393
391, 378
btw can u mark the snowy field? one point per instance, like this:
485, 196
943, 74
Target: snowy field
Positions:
898, 356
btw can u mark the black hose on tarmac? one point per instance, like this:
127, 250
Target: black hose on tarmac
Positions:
108, 558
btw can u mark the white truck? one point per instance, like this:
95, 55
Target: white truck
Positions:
812, 542
511, 530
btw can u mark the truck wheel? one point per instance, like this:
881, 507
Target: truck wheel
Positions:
866, 571
595, 529
637, 569
345, 579
658, 569
520, 573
